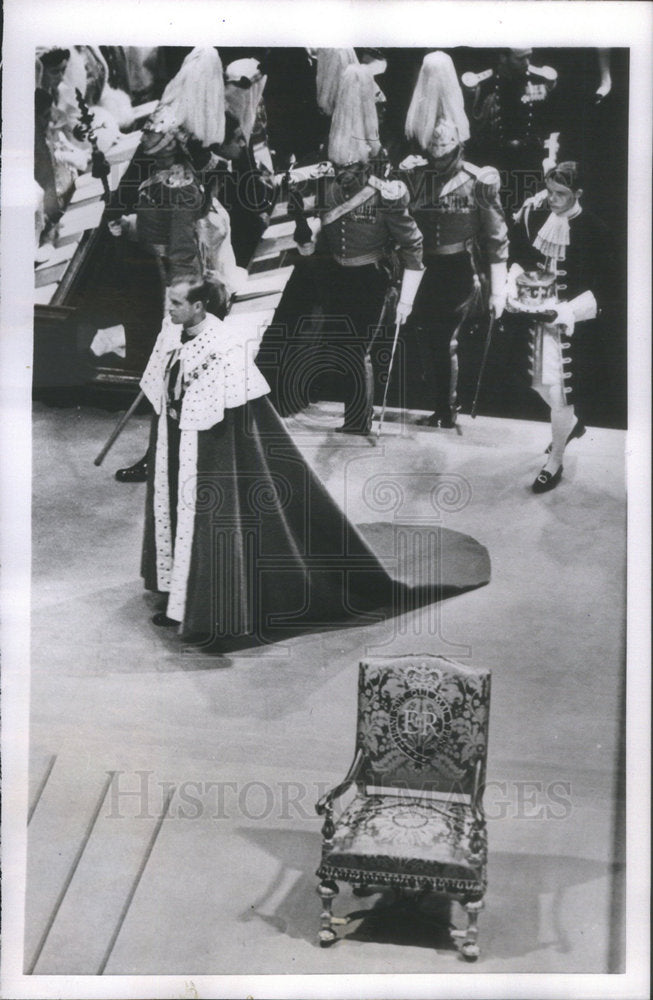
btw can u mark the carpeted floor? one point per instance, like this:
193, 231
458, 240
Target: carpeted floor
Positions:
172, 828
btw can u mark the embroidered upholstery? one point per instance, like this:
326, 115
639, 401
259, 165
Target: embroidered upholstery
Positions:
416, 821
422, 722
397, 840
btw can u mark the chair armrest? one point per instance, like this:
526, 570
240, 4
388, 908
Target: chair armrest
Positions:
326, 802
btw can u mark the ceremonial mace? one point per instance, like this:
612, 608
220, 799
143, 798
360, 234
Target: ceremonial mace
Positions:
117, 431
100, 169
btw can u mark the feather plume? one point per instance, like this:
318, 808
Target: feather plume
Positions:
354, 135
437, 95
196, 96
331, 64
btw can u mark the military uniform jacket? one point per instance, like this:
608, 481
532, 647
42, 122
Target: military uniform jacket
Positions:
373, 229
459, 211
514, 115
168, 206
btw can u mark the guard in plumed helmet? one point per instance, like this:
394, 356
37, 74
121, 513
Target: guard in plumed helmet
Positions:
244, 86
457, 208
364, 220
170, 200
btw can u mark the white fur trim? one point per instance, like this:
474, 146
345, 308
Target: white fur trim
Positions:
186, 499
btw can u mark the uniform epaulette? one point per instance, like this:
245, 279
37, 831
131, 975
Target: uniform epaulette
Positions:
547, 73
487, 178
412, 162
471, 80
389, 190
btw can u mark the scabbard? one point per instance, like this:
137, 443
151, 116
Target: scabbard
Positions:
486, 351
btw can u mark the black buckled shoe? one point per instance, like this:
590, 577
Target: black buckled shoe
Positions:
136, 473
161, 619
445, 420
547, 481
577, 431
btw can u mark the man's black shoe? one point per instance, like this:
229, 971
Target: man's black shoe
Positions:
136, 473
445, 420
161, 619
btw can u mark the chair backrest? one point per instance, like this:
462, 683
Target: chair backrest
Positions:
422, 724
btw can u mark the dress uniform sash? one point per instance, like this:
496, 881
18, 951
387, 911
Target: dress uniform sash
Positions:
348, 206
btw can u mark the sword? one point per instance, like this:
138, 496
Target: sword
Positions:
387, 382
486, 349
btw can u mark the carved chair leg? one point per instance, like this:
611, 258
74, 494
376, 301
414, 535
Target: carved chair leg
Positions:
327, 892
469, 944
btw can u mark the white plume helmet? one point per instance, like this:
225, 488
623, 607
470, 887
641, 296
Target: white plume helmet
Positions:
196, 96
437, 95
244, 86
354, 134
331, 64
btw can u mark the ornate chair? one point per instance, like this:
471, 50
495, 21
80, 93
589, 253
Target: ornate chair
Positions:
416, 822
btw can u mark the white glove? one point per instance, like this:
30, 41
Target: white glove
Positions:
511, 286
413, 161
498, 287
213, 161
552, 146
603, 90
577, 310
564, 317
115, 227
403, 311
584, 306
409, 285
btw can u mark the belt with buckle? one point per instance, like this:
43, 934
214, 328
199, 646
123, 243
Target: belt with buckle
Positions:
449, 249
368, 258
